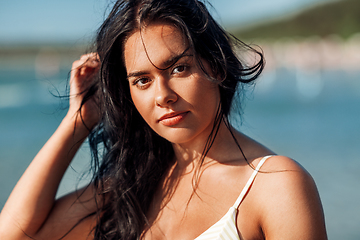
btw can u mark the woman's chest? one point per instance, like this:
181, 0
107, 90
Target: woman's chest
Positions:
207, 226
188, 214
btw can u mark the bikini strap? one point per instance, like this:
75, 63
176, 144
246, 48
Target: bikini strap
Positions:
250, 181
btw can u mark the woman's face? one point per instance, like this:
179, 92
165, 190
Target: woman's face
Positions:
168, 88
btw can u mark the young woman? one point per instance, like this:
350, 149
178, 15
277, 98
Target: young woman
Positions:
156, 98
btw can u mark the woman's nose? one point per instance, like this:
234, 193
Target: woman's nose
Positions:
165, 95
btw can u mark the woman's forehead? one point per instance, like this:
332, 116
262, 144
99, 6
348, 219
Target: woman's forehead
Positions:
155, 44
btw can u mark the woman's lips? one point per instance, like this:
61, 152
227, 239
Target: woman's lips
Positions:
172, 118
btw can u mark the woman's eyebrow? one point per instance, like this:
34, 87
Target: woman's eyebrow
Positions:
171, 61
166, 64
137, 73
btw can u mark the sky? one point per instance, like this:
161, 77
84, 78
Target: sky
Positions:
77, 20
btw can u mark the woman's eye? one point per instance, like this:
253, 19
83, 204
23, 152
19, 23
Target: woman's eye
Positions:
179, 69
142, 83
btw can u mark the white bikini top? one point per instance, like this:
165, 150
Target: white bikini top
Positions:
225, 228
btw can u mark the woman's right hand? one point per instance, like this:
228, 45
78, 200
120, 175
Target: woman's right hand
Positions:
83, 74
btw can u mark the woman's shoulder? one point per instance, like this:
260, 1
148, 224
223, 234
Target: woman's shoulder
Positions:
287, 197
276, 172
284, 176
277, 163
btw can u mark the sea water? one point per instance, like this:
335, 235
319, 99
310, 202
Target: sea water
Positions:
313, 117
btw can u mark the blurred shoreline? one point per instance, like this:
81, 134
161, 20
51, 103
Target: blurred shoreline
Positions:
306, 54
39, 57
313, 53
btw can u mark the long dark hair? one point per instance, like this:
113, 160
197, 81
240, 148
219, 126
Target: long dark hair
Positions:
129, 158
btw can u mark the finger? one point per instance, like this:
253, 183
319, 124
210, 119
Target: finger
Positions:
87, 63
90, 57
89, 60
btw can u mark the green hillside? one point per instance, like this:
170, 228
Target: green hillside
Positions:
339, 17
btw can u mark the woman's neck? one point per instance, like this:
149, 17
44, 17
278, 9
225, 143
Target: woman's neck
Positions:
223, 149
